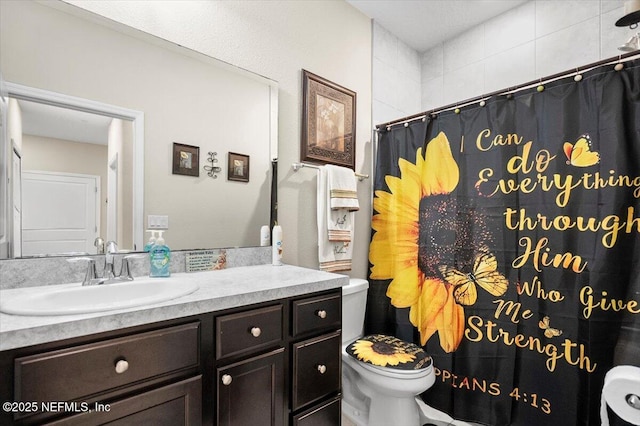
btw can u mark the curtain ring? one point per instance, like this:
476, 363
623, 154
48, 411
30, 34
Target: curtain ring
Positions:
578, 76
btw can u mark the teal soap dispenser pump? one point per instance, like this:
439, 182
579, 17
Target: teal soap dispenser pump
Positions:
160, 258
151, 242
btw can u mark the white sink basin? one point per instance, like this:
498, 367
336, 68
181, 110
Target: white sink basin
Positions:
97, 298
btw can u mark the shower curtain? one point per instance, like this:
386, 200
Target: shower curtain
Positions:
505, 241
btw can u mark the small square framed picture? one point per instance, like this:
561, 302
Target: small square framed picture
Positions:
186, 160
238, 167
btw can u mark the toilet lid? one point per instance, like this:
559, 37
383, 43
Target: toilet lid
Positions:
388, 351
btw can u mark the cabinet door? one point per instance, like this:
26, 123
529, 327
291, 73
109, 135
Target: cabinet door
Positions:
316, 369
251, 392
177, 404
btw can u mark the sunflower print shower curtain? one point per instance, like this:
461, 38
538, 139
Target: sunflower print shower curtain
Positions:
505, 241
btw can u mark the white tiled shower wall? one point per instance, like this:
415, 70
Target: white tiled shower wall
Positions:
534, 40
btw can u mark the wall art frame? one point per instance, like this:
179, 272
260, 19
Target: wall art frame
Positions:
186, 160
238, 167
328, 122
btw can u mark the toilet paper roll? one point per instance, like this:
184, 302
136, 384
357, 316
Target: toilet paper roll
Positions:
620, 384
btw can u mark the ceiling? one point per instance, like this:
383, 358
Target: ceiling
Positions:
62, 123
422, 24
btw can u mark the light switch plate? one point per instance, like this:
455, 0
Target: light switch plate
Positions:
157, 221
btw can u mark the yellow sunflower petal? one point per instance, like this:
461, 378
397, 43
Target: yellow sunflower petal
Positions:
440, 171
392, 249
450, 323
425, 312
404, 289
394, 246
394, 209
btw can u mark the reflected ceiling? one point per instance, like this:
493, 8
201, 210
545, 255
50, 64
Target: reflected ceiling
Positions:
50, 121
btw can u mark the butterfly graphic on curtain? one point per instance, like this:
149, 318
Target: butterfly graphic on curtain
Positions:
579, 154
485, 274
549, 331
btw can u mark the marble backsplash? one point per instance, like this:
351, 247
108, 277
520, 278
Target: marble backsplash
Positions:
31, 272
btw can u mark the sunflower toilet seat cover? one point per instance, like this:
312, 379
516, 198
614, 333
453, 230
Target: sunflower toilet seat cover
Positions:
388, 351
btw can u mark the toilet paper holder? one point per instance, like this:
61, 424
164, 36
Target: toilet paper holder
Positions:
633, 400
620, 394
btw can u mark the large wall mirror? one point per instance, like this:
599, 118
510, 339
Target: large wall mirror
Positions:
96, 104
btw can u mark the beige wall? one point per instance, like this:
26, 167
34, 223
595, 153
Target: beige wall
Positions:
184, 99
276, 39
57, 155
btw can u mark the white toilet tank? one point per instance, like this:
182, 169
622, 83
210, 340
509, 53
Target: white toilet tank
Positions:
354, 303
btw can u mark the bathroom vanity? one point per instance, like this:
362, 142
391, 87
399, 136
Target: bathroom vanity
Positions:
253, 345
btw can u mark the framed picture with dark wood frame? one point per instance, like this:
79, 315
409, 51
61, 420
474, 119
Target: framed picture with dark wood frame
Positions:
186, 160
328, 122
238, 167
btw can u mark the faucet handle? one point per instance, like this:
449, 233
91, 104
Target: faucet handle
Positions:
125, 271
111, 247
91, 275
99, 244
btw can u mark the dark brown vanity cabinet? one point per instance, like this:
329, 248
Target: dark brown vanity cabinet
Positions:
274, 363
250, 359
150, 377
280, 364
316, 362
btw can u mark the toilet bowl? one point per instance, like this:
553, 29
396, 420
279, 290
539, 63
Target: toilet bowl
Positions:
375, 395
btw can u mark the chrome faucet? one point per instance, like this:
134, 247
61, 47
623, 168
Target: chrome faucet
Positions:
108, 276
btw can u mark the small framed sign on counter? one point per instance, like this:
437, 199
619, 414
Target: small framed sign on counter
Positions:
206, 260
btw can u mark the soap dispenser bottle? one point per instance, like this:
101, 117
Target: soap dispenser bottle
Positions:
159, 257
151, 242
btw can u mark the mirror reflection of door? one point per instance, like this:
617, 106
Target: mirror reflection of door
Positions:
58, 142
61, 213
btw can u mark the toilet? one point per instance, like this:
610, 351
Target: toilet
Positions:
375, 395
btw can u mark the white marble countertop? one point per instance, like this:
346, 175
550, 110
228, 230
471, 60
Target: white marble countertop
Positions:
218, 290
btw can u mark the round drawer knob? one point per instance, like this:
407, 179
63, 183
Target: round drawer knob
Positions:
226, 380
322, 313
322, 369
121, 366
256, 332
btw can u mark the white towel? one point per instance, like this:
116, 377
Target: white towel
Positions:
332, 255
343, 187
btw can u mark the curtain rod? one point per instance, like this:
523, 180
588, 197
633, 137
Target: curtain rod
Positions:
557, 76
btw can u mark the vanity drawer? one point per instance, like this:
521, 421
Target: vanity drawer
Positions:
327, 414
88, 370
248, 331
316, 368
316, 313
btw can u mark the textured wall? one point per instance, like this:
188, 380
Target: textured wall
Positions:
277, 39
